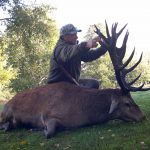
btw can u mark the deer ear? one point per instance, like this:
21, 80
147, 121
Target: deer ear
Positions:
113, 105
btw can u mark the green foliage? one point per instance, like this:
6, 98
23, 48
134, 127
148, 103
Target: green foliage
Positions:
31, 35
3, 2
145, 71
7, 73
6, 2
102, 70
114, 135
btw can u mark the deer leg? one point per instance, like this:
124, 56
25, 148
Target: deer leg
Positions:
50, 127
6, 126
1, 127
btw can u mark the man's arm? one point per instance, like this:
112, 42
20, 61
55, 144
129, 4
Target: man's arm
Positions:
94, 54
69, 52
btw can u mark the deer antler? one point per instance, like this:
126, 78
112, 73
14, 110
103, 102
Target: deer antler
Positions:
117, 55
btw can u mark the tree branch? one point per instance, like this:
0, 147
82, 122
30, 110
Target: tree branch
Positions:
2, 19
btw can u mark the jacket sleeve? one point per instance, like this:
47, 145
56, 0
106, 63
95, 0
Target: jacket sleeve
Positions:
93, 54
69, 52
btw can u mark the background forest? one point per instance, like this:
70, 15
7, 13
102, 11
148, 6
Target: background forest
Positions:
27, 37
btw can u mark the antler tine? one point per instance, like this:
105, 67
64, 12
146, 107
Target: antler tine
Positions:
99, 33
135, 65
143, 89
128, 60
117, 55
113, 31
140, 88
123, 47
107, 30
135, 89
132, 82
118, 34
118, 65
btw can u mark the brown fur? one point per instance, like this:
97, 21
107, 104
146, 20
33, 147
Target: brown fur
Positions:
67, 105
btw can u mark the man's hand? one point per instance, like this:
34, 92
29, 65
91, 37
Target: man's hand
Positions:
92, 43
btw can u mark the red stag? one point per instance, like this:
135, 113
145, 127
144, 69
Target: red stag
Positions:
69, 106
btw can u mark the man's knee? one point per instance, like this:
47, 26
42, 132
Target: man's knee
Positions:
89, 83
95, 84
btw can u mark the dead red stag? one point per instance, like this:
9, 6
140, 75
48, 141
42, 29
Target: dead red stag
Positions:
65, 105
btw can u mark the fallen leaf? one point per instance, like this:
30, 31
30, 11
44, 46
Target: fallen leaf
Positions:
57, 145
142, 143
42, 144
66, 147
113, 135
23, 142
101, 137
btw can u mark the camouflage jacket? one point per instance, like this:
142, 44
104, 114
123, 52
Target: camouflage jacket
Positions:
70, 57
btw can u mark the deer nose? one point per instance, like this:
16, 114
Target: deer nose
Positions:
143, 117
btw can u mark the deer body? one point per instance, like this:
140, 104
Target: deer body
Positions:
67, 105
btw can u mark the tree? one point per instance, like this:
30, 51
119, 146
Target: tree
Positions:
102, 70
31, 35
3, 2
6, 73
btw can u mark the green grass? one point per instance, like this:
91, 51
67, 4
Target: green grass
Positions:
1, 106
114, 135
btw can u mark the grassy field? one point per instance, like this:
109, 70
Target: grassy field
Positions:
114, 135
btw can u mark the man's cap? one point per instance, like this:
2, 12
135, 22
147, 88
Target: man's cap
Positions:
68, 29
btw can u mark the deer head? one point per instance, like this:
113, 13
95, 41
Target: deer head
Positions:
117, 55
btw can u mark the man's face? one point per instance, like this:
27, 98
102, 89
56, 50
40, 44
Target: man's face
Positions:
71, 38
